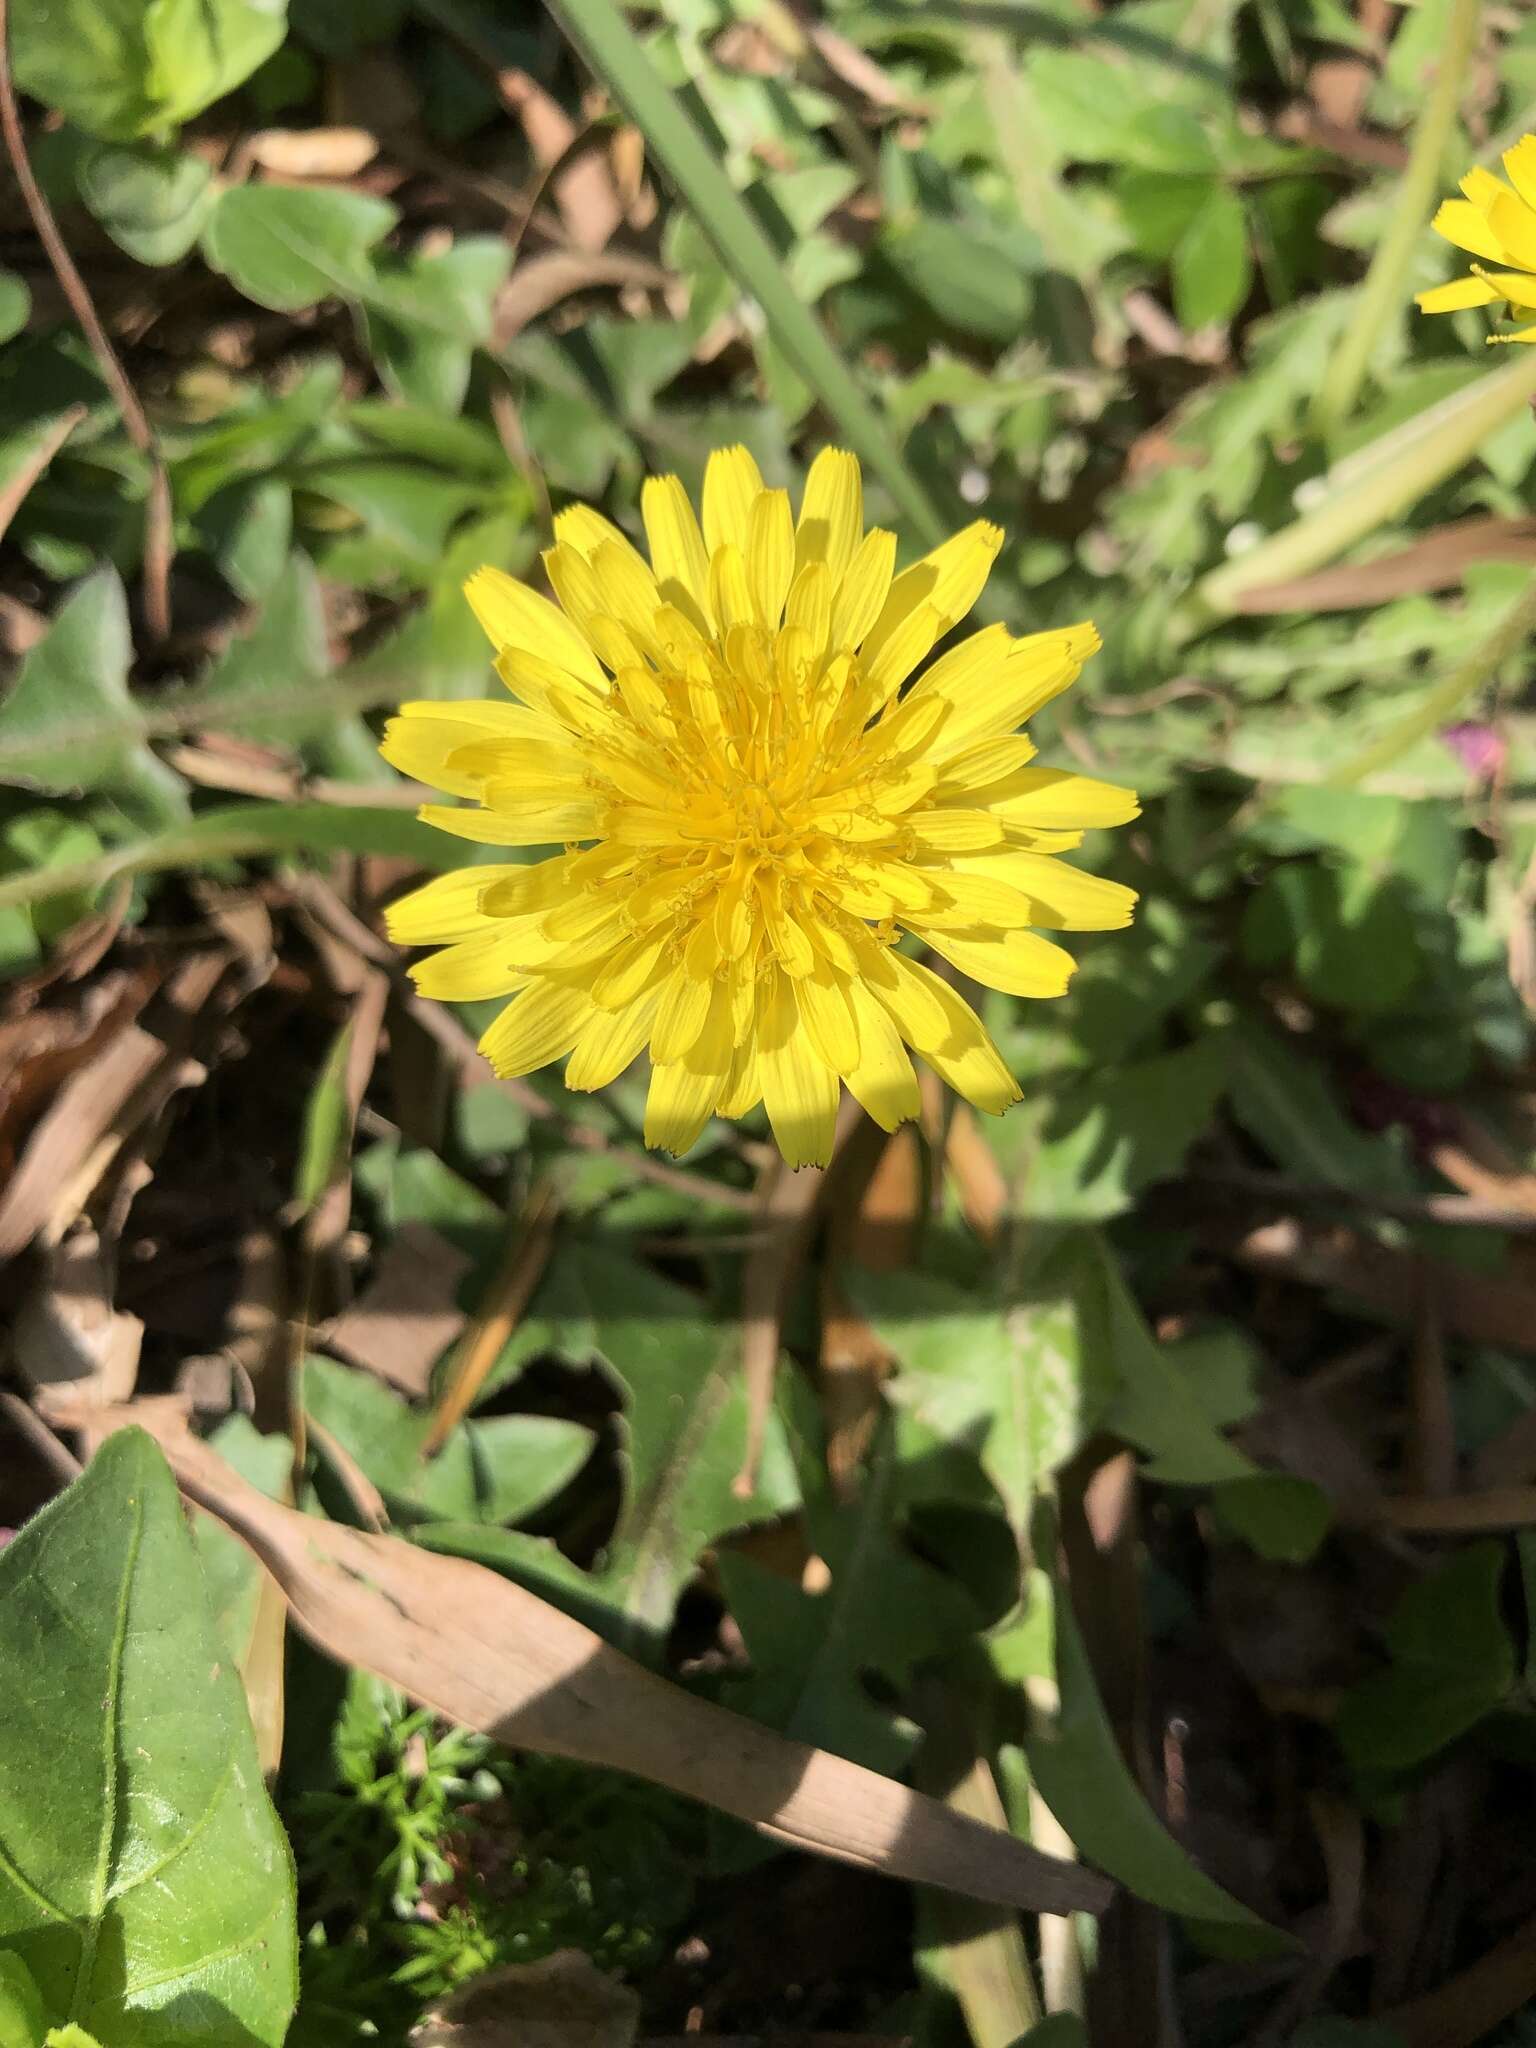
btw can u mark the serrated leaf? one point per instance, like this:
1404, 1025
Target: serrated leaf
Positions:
146, 1882
69, 723
884, 1610
683, 1434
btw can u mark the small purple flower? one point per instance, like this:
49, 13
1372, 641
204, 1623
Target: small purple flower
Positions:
1479, 748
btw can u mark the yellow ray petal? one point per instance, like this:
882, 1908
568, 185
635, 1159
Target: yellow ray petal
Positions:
677, 1107
1062, 898
515, 616
451, 906
1457, 296
1022, 964
865, 585
743, 1087
882, 1080
470, 971
827, 1016
420, 740
540, 1025
538, 824
1459, 221
1056, 799
961, 1050
799, 1089
680, 1016
732, 481
609, 1042
678, 555
950, 580
831, 520
770, 555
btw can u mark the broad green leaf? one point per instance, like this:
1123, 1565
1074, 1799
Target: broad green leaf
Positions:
1452, 1663
416, 358
287, 647
1283, 1098
152, 202
683, 1433
289, 246
494, 1469
145, 1880
230, 1571
1211, 265
1012, 1382
15, 304
884, 1611
1088, 1786
23, 2021
1278, 1515
1157, 1407
69, 723
127, 68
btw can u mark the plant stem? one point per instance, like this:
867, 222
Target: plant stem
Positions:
612, 50
1378, 493
1381, 295
1508, 636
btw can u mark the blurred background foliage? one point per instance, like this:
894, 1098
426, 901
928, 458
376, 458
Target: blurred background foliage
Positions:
1164, 1452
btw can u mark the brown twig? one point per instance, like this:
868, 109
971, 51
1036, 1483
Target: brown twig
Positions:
159, 540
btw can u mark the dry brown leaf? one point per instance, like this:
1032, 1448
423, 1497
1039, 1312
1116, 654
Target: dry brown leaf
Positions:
313, 152
408, 1314
1436, 562
67, 1331
565, 2001
490, 1655
540, 282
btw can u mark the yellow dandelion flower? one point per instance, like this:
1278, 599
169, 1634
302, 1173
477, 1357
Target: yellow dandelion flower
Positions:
1497, 224
752, 811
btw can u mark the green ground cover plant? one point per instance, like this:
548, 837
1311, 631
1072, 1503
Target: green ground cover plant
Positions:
1138, 1486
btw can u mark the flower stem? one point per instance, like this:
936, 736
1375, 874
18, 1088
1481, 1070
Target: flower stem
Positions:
1382, 293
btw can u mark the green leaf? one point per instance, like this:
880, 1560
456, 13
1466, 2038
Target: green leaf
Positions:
1283, 1099
22, 2019
1163, 1409
417, 360
247, 832
231, 1573
884, 1610
1010, 1381
1280, 1516
683, 1435
122, 69
495, 1470
1452, 1663
290, 246
69, 723
1211, 265
145, 1880
15, 305
1086, 1783
152, 202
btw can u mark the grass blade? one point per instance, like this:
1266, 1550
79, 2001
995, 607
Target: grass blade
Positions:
610, 47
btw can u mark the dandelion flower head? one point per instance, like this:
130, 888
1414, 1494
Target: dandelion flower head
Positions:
753, 803
1496, 223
